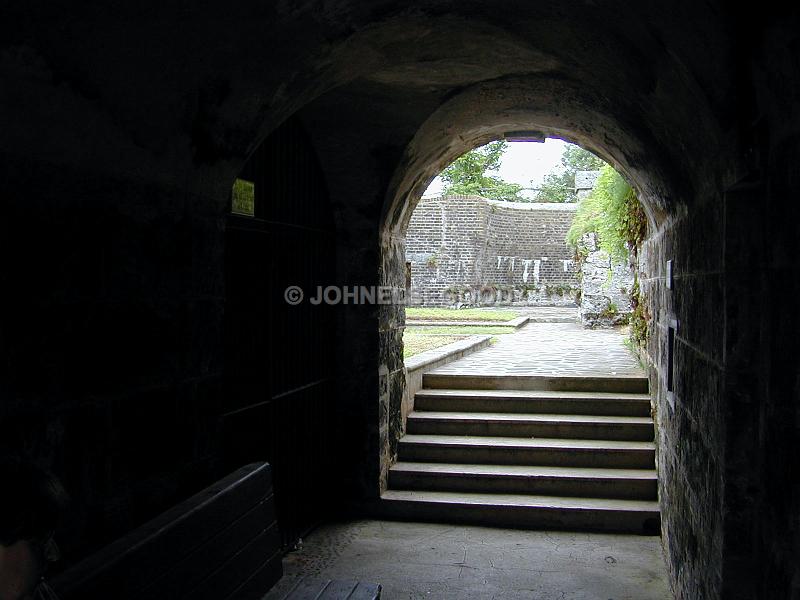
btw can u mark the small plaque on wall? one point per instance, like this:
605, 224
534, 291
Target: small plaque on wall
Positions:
669, 274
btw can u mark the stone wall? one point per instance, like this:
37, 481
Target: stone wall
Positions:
584, 182
690, 414
605, 287
470, 250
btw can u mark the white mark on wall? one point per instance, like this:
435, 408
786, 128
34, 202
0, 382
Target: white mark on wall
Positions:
510, 262
567, 265
525, 265
536, 265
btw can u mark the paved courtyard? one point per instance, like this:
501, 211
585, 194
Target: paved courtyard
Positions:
551, 349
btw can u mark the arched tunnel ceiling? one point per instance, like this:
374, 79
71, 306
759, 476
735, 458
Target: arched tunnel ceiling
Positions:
548, 108
185, 96
444, 85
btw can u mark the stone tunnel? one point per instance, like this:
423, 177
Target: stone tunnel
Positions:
147, 349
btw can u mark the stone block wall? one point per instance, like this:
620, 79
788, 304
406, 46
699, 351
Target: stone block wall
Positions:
445, 244
584, 182
605, 287
470, 250
690, 417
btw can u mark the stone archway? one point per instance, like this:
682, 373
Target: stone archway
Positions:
483, 113
124, 130
545, 107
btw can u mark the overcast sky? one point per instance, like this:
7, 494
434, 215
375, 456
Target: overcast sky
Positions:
522, 163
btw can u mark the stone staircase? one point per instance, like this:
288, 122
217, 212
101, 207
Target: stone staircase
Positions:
573, 453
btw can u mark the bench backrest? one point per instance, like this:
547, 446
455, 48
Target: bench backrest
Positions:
221, 543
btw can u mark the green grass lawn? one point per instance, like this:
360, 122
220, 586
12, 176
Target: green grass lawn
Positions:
416, 343
420, 339
460, 314
460, 330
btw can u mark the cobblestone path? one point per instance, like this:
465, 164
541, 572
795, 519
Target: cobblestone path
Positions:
551, 349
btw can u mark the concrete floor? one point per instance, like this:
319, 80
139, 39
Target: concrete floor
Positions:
421, 560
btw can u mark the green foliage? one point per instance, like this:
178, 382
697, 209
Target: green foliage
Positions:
580, 159
420, 339
633, 221
611, 310
639, 318
613, 212
468, 174
415, 342
243, 197
559, 185
560, 290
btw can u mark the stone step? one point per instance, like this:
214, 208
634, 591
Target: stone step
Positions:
533, 402
522, 451
632, 484
589, 383
527, 511
531, 425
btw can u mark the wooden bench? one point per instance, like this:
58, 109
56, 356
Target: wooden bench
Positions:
221, 543
333, 589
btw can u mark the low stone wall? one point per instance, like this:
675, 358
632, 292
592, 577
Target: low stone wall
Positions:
467, 250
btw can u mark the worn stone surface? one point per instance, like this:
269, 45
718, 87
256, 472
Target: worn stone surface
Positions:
391, 369
419, 560
605, 287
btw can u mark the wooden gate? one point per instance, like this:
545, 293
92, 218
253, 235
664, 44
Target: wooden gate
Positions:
278, 355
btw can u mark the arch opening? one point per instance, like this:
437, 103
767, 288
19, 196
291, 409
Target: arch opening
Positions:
449, 133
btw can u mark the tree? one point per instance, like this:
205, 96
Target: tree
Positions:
559, 184
468, 174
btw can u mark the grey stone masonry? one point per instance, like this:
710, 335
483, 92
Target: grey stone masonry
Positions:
467, 250
584, 182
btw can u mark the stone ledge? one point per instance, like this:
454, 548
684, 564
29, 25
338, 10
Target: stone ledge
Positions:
448, 353
544, 206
